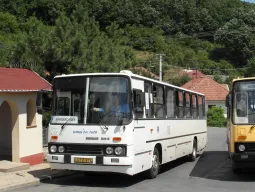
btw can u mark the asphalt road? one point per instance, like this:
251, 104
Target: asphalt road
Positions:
211, 172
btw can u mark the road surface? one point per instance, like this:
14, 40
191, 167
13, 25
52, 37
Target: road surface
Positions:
211, 172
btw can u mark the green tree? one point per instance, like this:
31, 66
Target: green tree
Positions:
215, 117
75, 44
238, 37
179, 81
9, 33
250, 68
145, 38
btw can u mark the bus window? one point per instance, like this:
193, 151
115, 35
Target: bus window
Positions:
187, 105
62, 107
200, 106
148, 100
194, 106
241, 105
170, 107
108, 101
138, 103
180, 104
159, 107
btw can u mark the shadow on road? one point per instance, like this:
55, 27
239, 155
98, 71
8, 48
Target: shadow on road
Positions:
102, 180
109, 180
216, 165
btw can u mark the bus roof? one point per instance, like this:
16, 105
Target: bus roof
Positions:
243, 79
130, 74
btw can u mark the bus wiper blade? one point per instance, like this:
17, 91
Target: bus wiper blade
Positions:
102, 123
251, 128
63, 126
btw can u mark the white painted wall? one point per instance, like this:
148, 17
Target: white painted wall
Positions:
30, 141
217, 103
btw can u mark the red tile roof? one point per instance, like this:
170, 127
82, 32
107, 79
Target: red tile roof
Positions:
21, 80
193, 74
212, 90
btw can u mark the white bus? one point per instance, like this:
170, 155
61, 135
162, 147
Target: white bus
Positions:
123, 123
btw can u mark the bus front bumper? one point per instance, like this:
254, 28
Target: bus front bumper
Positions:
244, 160
98, 163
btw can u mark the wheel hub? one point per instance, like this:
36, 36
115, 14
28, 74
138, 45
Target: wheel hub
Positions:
155, 163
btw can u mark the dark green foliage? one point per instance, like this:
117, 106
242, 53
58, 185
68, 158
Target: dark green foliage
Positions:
145, 38
69, 36
215, 117
73, 45
181, 80
46, 118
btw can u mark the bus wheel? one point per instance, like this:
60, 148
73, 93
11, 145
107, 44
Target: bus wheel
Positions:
193, 155
154, 170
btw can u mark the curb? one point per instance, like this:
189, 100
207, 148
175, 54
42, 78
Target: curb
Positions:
37, 181
56, 176
21, 185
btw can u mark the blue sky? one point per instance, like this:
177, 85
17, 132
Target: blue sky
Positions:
251, 1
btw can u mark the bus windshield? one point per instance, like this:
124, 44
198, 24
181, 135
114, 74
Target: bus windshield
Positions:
244, 102
108, 100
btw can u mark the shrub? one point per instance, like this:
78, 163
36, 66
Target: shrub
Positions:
46, 118
215, 117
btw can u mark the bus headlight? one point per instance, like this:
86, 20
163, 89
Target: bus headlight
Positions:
118, 150
53, 149
241, 148
109, 150
61, 149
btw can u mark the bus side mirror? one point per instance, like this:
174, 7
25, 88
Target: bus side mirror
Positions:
228, 100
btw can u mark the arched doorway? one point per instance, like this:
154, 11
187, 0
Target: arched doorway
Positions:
9, 131
5, 132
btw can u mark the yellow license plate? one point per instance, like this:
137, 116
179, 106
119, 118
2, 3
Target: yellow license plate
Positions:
83, 160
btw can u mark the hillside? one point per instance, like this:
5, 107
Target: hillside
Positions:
68, 36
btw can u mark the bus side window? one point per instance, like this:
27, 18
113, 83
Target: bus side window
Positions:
200, 106
204, 107
139, 103
194, 106
159, 106
170, 103
180, 104
148, 100
187, 105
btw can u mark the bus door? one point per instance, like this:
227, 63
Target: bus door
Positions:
63, 103
76, 102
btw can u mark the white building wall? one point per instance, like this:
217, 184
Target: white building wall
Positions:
30, 141
217, 103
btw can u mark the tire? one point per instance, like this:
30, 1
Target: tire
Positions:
192, 157
154, 170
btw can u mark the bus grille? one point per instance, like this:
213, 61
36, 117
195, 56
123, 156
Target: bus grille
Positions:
84, 149
250, 147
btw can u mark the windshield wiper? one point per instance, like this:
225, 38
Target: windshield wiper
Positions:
63, 126
251, 128
105, 128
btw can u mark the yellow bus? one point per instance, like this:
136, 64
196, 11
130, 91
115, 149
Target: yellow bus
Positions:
240, 103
